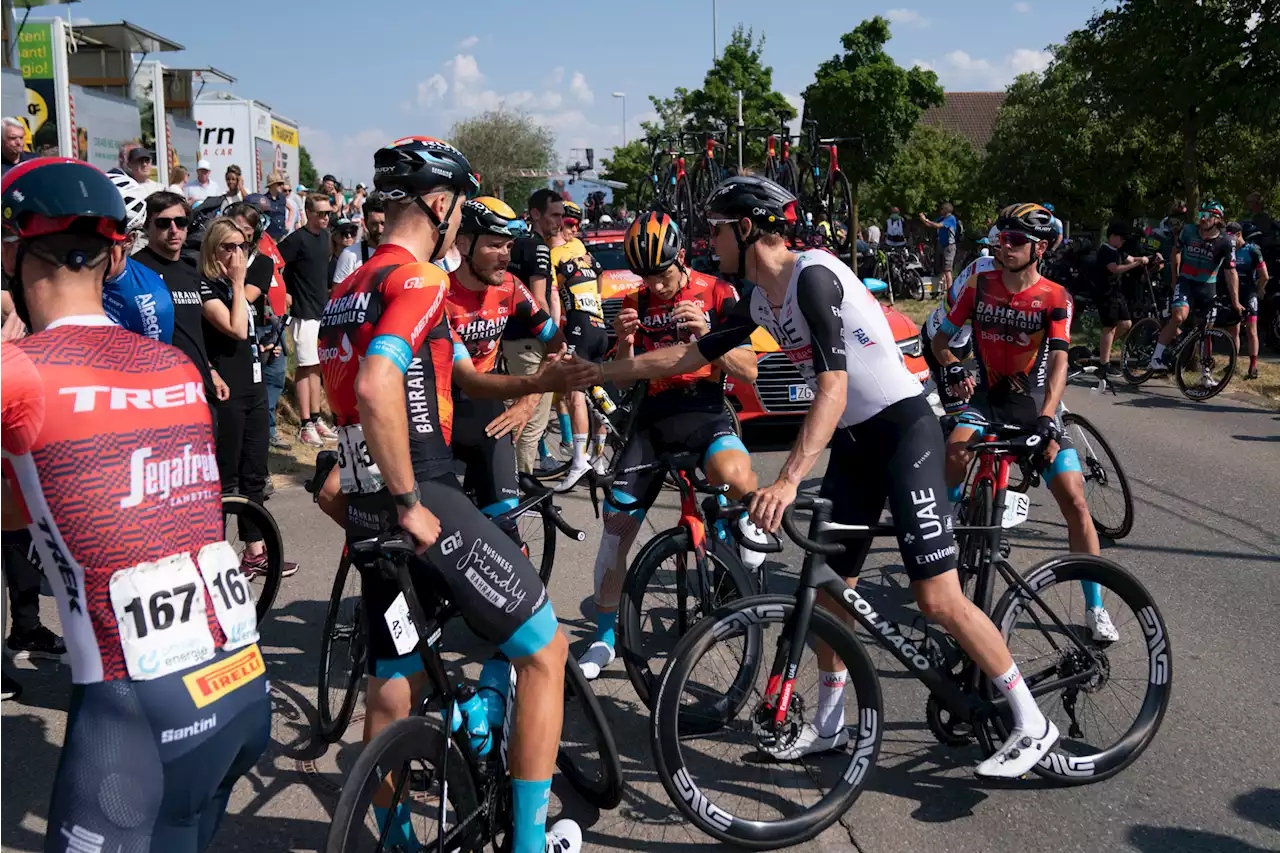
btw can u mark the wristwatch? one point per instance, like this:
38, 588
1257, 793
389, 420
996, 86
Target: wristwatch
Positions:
408, 500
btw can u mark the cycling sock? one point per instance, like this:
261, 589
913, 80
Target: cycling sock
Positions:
401, 831
579, 449
1092, 594
566, 429
955, 493
830, 716
1026, 713
1159, 353
597, 444
1253, 362
529, 815
606, 621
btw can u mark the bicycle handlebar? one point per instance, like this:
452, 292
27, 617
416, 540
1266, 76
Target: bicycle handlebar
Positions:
802, 504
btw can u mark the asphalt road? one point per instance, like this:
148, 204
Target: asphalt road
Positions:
1206, 543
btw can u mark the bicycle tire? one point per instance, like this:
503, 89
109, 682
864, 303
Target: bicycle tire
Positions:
732, 414
840, 213
1187, 353
644, 193
977, 513
771, 170
685, 214
637, 657
1072, 569
259, 516
668, 734
787, 177
330, 725
1139, 346
604, 789
413, 738
1092, 465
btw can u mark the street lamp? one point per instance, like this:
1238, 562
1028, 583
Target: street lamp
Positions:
623, 96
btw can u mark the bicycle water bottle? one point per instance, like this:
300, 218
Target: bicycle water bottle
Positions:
471, 711
602, 397
495, 680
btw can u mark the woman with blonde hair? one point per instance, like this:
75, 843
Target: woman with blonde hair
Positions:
178, 180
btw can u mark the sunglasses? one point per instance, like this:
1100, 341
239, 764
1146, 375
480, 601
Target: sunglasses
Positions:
322, 213
1016, 239
232, 247
163, 222
348, 232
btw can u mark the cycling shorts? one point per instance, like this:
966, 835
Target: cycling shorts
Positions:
898, 455
491, 478
1020, 410
149, 765
585, 339
485, 574
1228, 316
1197, 295
705, 433
951, 403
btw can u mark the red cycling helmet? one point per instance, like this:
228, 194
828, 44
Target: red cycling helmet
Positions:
50, 195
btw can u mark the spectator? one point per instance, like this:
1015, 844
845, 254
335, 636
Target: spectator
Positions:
278, 205
241, 436
272, 309
895, 230
178, 175
306, 274
235, 185
353, 257
203, 186
355, 210
15, 139
873, 233
341, 237
1268, 228
135, 161
296, 203
1113, 306
948, 228
333, 191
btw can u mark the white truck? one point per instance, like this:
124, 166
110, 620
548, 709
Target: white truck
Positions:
245, 132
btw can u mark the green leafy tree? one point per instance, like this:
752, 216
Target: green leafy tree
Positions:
863, 93
933, 165
500, 144
307, 173
629, 164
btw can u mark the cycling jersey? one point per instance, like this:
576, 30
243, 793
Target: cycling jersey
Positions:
1249, 263
479, 317
138, 300
952, 295
1204, 257
687, 392
577, 280
530, 259
828, 321
1013, 332
393, 306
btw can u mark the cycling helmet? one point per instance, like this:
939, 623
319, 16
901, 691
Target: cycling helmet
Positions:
1210, 207
1028, 218
135, 203
606, 219
50, 195
572, 211
1048, 207
489, 215
1250, 230
652, 243
767, 205
418, 164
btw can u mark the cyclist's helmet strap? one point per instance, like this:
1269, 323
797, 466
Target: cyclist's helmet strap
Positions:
769, 206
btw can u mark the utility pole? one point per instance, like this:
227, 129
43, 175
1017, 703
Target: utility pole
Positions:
715, 38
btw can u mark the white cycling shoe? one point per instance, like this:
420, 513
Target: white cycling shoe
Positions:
1022, 751
751, 559
577, 470
1101, 628
809, 742
564, 836
593, 661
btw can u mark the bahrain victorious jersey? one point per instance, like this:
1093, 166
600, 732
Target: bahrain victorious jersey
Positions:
109, 455
393, 306
480, 317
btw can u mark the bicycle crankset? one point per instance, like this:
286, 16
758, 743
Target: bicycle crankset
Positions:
946, 729
775, 737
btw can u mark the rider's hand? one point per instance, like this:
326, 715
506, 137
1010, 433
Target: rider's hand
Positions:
419, 523
626, 324
958, 380
768, 503
1238, 308
14, 329
1047, 429
513, 420
569, 374
691, 320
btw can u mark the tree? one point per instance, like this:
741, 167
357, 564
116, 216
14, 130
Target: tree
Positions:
629, 164
307, 174
934, 165
500, 144
865, 94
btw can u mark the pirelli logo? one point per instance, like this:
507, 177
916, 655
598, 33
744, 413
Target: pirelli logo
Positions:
210, 684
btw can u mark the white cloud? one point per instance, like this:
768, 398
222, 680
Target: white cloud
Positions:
468, 42
578, 86
557, 76
958, 70
349, 157
1022, 7
908, 17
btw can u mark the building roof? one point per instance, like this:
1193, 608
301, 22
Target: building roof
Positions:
970, 114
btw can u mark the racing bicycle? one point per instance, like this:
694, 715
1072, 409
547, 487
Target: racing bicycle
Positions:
1202, 361
828, 200
715, 741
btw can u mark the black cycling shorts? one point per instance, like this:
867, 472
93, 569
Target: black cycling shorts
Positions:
1198, 295
584, 337
491, 477
706, 433
951, 403
897, 455
149, 765
474, 566
1113, 308
1020, 410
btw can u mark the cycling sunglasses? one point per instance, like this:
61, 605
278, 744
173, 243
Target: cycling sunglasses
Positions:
163, 222
1016, 239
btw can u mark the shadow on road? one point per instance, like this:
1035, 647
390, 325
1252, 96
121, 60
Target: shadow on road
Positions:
1260, 806
1158, 401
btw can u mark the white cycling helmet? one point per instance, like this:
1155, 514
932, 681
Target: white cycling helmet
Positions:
135, 203
606, 219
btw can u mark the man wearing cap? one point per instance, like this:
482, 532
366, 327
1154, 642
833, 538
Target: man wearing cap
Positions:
135, 161
204, 185
277, 205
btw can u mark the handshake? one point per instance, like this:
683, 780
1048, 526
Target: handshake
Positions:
562, 371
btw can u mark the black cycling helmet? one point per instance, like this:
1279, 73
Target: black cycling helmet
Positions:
652, 243
415, 165
1028, 218
1250, 230
572, 210
766, 204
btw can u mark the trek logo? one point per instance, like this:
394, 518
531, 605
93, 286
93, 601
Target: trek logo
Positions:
926, 504
160, 478
887, 629
118, 399
70, 582
196, 728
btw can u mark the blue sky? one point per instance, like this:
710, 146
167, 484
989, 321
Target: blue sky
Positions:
355, 75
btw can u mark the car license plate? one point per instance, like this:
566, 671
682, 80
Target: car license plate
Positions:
800, 392
1016, 509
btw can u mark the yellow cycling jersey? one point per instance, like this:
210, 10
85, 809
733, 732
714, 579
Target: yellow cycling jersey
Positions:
577, 279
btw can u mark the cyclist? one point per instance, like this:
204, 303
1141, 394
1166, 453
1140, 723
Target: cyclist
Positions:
1022, 330
572, 220
886, 443
1251, 270
1058, 230
1201, 252
132, 294
677, 415
483, 298
960, 344
387, 352
109, 465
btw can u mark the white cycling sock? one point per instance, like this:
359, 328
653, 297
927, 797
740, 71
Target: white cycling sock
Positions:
1158, 353
1026, 713
579, 449
830, 716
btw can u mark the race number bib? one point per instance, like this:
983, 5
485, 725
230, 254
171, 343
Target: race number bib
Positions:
357, 472
160, 610
400, 624
229, 591
587, 300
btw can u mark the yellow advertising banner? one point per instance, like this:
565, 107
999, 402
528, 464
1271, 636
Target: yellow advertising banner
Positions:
284, 134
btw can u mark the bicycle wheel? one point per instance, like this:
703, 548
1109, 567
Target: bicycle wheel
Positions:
1205, 364
788, 177
588, 755
771, 170
732, 414
410, 747
661, 602
840, 213
555, 453
644, 193
538, 533
342, 654
685, 214
1133, 671
241, 510
969, 546
724, 780
1138, 349
1105, 484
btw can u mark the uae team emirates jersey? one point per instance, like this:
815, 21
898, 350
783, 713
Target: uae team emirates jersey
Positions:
394, 307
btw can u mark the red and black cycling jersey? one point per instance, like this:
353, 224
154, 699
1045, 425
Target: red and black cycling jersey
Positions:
394, 306
1013, 332
479, 318
700, 390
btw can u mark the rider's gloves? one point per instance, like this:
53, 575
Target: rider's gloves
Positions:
955, 375
1047, 429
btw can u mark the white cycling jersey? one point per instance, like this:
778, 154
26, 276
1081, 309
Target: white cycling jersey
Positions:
828, 321
960, 338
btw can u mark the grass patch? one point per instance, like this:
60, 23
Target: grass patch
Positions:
917, 310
